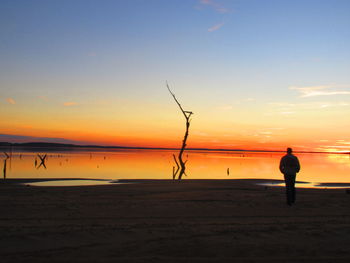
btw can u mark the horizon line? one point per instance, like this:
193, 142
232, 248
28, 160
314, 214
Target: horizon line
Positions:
61, 145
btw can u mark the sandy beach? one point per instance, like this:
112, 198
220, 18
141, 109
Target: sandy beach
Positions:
166, 221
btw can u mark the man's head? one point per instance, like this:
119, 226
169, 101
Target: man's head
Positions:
289, 150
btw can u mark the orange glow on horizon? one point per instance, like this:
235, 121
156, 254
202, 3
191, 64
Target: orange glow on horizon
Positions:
175, 141
164, 132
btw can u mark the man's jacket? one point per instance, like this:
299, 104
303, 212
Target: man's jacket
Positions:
289, 164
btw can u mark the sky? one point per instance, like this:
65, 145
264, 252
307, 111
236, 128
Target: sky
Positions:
256, 74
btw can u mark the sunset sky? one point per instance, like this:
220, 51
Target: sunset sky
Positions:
257, 74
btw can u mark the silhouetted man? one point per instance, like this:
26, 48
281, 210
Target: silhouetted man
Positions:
289, 166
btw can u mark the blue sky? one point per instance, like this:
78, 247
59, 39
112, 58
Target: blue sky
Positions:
293, 41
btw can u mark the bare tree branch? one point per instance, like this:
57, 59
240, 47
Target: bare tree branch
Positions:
187, 114
179, 160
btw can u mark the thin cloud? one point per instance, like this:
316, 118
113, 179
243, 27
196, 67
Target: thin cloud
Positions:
339, 104
291, 109
284, 106
313, 91
342, 142
70, 103
216, 6
215, 27
11, 101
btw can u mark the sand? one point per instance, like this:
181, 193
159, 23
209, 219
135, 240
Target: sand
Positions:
166, 221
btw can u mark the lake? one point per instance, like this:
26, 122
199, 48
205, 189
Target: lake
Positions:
158, 164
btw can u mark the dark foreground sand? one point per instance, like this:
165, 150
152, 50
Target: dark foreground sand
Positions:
165, 221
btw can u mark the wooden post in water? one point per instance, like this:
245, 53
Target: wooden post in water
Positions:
42, 160
5, 169
5, 164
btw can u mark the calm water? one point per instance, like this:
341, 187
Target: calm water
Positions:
155, 164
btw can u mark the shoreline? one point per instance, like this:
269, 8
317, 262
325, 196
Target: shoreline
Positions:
259, 182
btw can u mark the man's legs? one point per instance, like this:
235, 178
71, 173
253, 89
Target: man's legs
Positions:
293, 187
290, 188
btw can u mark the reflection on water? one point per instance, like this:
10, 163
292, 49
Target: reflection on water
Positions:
308, 185
156, 164
5, 168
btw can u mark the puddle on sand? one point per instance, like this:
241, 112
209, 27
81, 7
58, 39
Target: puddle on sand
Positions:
72, 183
309, 185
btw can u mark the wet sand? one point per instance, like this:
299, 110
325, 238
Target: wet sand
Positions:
166, 221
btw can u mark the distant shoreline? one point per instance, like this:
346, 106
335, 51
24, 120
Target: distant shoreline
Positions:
32, 146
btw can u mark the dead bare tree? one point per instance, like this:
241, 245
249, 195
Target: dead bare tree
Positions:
180, 164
